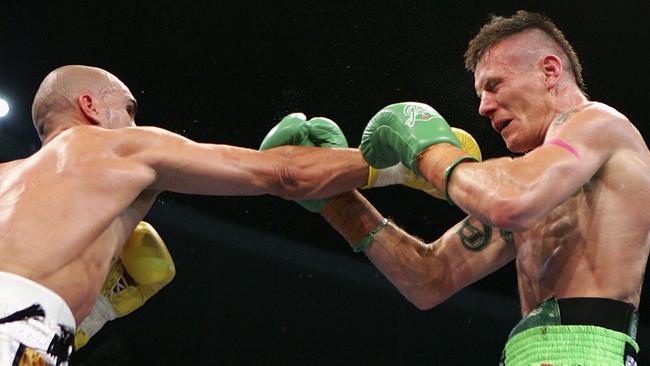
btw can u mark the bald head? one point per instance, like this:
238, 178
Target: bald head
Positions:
57, 97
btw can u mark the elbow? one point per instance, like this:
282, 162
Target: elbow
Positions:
431, 299
513, 213
426, 304
431, 294
428, 285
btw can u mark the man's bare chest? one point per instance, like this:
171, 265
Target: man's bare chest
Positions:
556, 238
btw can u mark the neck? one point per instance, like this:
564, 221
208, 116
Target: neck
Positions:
50, 136
56, 127
567, 99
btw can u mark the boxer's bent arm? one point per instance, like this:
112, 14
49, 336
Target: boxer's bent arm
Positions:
514, 193
426, 274
185, 166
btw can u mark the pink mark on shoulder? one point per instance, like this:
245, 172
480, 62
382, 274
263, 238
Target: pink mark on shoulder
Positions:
564, 145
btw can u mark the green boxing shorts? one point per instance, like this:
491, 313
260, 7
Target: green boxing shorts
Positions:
575, 332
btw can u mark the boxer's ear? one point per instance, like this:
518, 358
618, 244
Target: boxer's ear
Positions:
87, 103
551, 66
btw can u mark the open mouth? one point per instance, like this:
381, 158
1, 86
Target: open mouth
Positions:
501, 125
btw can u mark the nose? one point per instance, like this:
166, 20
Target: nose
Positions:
488, 104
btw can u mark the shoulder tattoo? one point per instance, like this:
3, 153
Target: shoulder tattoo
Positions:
474, 237
564, 116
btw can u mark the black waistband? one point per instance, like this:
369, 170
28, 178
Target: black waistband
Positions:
26, 313
61, 345
607, 313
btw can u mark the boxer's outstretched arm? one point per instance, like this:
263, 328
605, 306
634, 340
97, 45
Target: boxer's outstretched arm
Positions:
293, 172
425, 273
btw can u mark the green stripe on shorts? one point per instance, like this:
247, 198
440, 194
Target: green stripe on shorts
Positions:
567, 345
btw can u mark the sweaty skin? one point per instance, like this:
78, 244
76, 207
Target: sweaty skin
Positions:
66, 211
580, 224
581, 219
576, 222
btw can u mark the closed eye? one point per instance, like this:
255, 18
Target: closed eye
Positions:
490, 85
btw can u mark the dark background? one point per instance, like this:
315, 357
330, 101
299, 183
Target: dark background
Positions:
259, 279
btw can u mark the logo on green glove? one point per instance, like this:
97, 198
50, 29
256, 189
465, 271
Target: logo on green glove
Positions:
417, 113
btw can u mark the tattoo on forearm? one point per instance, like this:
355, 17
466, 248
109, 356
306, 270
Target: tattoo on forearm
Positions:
473, 237
507, 236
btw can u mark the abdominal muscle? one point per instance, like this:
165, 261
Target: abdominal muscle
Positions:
572, 254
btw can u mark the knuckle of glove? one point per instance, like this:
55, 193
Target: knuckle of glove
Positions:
324, 132
291, 130
377, 147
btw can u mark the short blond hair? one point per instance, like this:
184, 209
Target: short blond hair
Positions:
499, 28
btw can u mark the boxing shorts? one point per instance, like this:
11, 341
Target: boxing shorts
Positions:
575, 331
36, 325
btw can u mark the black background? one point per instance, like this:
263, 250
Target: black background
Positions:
259, 279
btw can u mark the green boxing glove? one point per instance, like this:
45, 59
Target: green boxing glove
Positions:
294, 129
399, 132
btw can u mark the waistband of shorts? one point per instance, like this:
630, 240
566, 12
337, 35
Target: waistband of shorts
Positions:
600, 312
19, 292
606, 313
